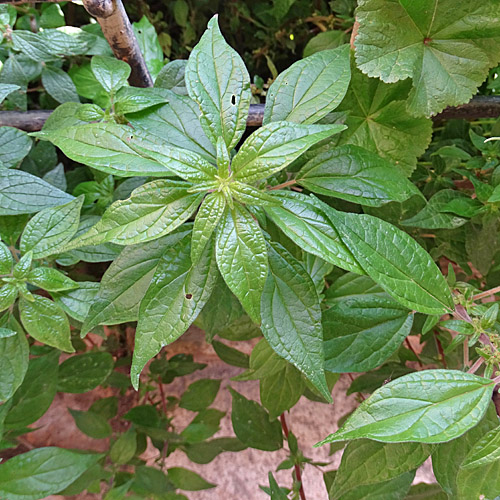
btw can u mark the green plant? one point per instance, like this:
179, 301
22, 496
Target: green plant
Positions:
320, 232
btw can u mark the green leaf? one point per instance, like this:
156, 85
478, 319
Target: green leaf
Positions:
448, 457
171, 77
242, 258
276, 492
84, 372
110, 72
207, 218
362, 327
46, 322
36, 393
42, 472
274, 146
147, 39
176, 124
92, 424
22, 267
281, 392
310, 88
479, 482
394, 260
317, 269
187, 480
203, 426
56, 177
125, 282
248, 195
153, 210
6, 260
204, 452
357, 175
378, 121
445, 48
217, 79
107, 147
324, 40
177, 294
14, 146
252, 425
14, 352
369, 462
230, 355
50, 279
291, 316
449, 403
8, 295
200, 394
424, 491
307, 225
132, 99
23, 193
6, 89
76, 303
123, 449
485, 451
59, 84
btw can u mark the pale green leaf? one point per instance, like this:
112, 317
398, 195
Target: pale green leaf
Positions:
132, 99
59, 84
324, 40
14, 351
15, 144
50, 279
485, 451
110, 72
76, 303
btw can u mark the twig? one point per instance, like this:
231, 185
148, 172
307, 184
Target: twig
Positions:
298, 473
408, 343
440, 349
284, 185
162, 395
466, 352
476, 365
486, 293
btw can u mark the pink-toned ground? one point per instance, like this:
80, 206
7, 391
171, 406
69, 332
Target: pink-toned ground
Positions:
237, 475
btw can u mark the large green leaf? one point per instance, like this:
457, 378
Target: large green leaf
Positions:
36, 393
447, 458
431, 406
291, 316
310, 88
14, 351
445, 46
306, 225
125, 282
153, 210
357, 175
110, 72
217, 79
479, 482
177, 294
176, 124
105, 146
362, 327
50, 229
76, 303
252, 425
59, 84
394, 260
242, 258
274, 146
377, 120
46, 322
369, 462
485, 451
14, 146
42, 472
23, 193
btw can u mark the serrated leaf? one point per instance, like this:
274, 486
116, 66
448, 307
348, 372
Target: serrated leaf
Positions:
362, 328
76, 303
15, 144
133, 99
178, 292
23, 193
307, 226
59, 84
152, 211
46, 322
84, 372
110, 72
42, 472
445, 48
369, 462
6, 260
33, 398
107, 147
248, 195
252, 425
217, 79
357, 175
274, 146
242, 258
50, 279
14, 359
377, 120
291, 316
125, 282
394, 260
448, 403
310, 88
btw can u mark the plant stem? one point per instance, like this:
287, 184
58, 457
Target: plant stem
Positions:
408, 343
440, 349
285, 184
162, 395
475, 366
486, 293
298, 473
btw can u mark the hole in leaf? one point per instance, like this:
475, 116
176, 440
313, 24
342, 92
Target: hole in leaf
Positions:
233, 100
189, 296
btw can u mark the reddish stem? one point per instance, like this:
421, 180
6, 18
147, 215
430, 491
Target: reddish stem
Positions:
408, 343
162, 395
440, 349
486, 293
285, 184
298, 473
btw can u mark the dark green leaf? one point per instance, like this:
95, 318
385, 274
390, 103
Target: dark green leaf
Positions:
92, 424
50, 279
200, 394
59, 84
14, 360
203, 426
110, 72
14, 146
485, 451
76, 303
132, 99
187, 480
123, 449
230, 355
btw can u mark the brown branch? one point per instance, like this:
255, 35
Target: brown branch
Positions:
298, 473
408, 344
486, 293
